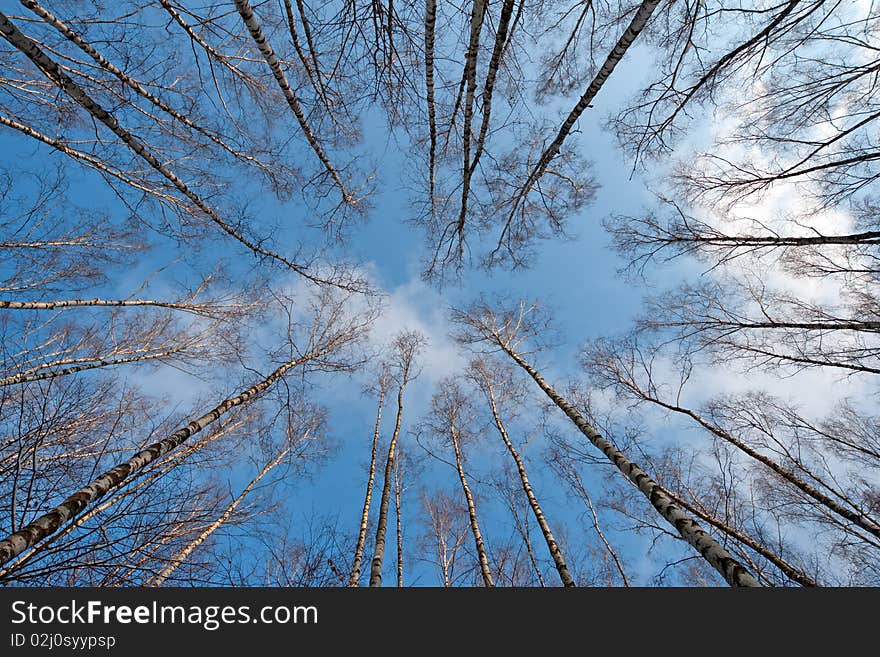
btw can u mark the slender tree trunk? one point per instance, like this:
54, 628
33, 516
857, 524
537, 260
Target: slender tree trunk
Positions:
382, 523
523, 529
182, 556
355, 575
614, 57
472, 513
786, 568
49, 523
478, 13
552, 546
112, 303
769, 241
719, 558
256, 32
309, 65
501, 35
761, 37
54, 72
398, 522
579, 486
430, 19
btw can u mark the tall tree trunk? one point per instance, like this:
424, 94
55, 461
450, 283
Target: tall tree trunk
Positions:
256, 32
614, 57
355, 575
398, 522
142, 91
182, 556
719, 558
472, 513
382, 523
430, 19
49, 523
555, 551
196, 308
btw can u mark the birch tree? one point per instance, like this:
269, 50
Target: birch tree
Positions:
181, 556
444, 539
331, 333
451, 418
506, 331
406, 347
487, 382
354, 577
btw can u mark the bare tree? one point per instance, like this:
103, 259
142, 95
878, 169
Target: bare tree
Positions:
510, 235
354, 577
331, 332
506, 331
487, 383
451, 416
260, 39
446, 535
565, 466
405, 349
182, 556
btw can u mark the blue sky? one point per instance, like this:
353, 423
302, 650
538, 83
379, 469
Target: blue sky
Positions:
576, 279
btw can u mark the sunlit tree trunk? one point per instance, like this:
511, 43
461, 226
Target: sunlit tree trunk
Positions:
552, 546
181, 556
485, 571
406, 347
355, 574
398, 518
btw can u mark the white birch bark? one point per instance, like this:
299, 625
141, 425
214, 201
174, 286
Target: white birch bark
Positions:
182, 556
712, 551
253, 25
485, 571
552, 546
382, 523
50, 522
355, 575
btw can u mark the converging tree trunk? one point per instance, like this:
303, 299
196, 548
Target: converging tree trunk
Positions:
178, 559
472, 514
450, 416
504, 334
406, 347
355, 575
552, 546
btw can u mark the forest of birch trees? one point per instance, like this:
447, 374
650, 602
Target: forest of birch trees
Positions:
203, 377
